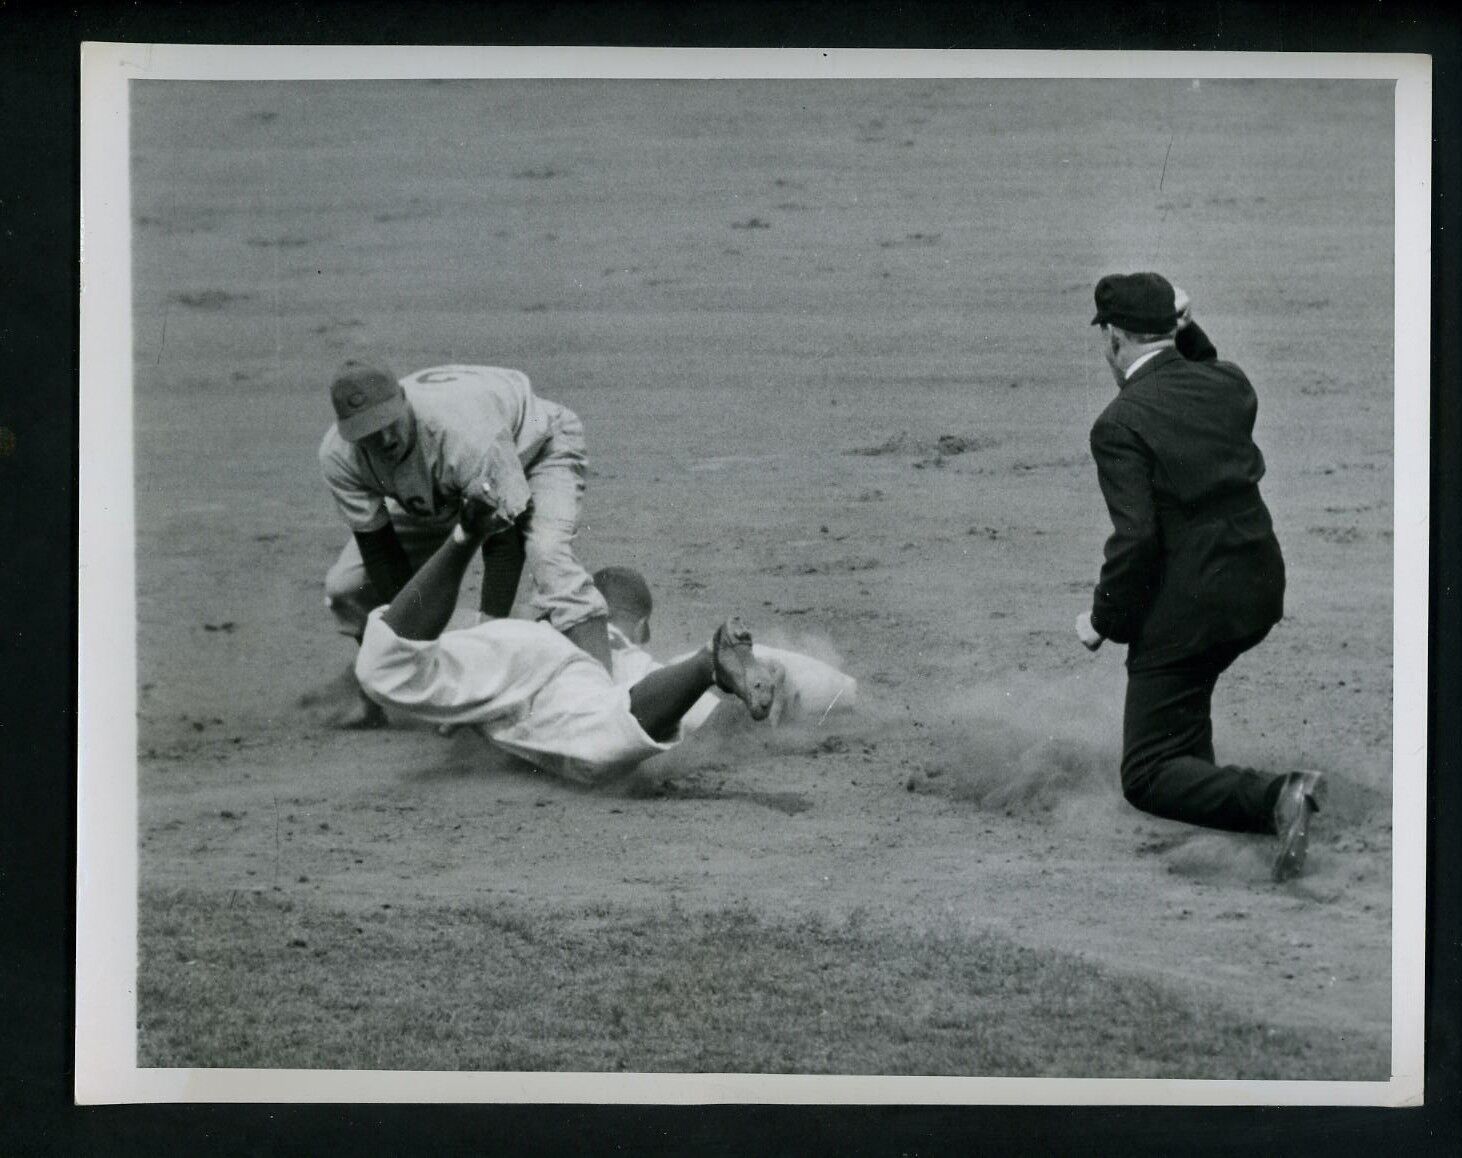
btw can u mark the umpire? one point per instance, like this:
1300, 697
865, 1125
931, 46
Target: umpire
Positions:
1193, 576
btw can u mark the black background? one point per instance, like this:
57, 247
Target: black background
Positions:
40, 217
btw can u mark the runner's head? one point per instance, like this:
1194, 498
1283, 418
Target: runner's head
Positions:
628, 596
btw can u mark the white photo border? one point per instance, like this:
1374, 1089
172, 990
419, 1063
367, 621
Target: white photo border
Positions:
107, 860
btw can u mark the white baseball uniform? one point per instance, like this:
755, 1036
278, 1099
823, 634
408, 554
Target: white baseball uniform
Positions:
541, 698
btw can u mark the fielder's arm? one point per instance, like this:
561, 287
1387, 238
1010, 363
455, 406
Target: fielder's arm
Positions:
470, 463
364, 511
385, 559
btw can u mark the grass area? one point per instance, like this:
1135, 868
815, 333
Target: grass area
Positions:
265, 981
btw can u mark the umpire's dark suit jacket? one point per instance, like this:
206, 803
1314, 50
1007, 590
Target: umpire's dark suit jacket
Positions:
1192, 561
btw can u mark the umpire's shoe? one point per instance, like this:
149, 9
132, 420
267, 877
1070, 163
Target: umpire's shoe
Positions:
1298, 798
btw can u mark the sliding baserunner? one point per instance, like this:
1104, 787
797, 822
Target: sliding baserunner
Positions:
528, 688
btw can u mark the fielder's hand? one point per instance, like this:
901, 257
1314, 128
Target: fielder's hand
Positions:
481, 514
1184, 305
1091, 639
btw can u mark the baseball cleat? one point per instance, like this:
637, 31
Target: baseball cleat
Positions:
737, 671
1300, 796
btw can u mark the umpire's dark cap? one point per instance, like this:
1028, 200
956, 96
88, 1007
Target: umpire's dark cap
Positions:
1141, 303
366, 399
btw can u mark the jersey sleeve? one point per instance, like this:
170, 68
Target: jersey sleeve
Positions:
362, 509
522, 387
465, 459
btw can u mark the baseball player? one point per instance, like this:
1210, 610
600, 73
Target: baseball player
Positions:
397, 461
1193, 576
529, 689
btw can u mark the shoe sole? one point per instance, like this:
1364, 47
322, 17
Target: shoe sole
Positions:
1293, 845
1294, 841
751, 672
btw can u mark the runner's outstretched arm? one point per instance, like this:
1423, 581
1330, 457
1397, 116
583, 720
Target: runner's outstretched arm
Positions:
422, 609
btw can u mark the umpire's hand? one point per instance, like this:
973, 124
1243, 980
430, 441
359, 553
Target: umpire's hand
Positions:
1091, 639
1183, 304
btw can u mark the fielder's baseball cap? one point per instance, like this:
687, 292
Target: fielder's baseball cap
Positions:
1143, 303
366, 399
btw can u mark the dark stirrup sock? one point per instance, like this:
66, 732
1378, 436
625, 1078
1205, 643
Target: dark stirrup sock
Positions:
662, 698
502, 570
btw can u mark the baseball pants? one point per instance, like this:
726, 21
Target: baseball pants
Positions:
1168, 766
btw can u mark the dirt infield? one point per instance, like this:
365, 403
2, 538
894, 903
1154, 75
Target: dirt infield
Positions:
830, 344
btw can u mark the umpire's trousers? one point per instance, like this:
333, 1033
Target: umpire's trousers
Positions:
1168, 766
